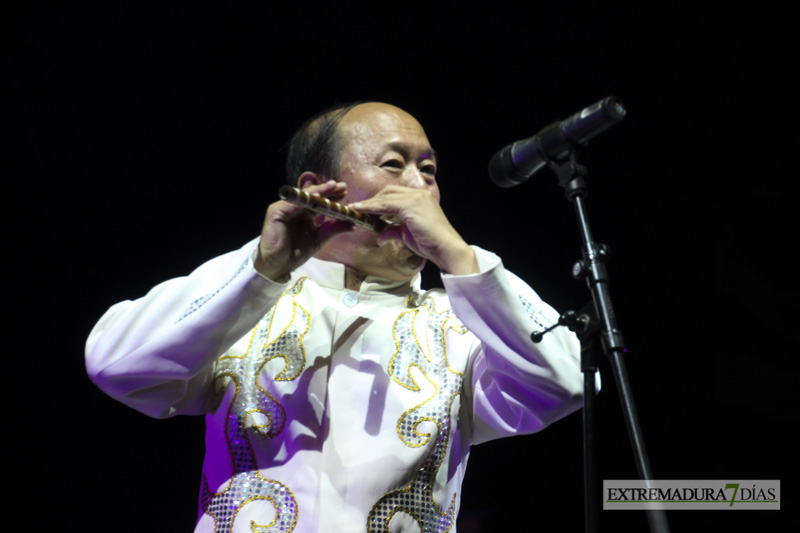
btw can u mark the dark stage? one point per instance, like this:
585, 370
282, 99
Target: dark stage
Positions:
144, 139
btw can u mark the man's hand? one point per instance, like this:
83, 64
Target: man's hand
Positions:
424, 228
291, 234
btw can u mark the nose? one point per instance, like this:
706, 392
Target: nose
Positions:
417, 179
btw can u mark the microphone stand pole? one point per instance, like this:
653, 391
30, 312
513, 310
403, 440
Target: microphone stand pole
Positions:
592, 267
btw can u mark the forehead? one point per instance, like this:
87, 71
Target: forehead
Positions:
374, 127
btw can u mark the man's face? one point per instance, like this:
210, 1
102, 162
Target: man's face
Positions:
381, 145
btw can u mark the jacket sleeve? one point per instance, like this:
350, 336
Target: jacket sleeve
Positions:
513, 385
156, 354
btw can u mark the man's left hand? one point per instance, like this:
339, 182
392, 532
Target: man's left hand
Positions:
423, 227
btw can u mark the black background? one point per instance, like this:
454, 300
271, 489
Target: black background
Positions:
146, 138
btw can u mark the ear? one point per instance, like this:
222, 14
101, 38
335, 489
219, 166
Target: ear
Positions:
307, 179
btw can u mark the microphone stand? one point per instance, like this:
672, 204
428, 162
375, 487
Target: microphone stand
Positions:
592, 268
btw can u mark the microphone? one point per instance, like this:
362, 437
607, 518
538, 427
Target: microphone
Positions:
516, 163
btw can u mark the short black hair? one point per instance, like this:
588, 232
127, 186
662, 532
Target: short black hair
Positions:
314, 147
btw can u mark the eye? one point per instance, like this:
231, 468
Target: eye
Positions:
393, 163
428, 169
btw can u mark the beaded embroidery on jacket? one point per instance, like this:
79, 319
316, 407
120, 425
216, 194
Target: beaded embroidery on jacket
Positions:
419, 336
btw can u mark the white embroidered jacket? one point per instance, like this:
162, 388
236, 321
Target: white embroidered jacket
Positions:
334, 410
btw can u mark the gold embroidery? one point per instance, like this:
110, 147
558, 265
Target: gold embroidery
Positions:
430, 359
251, 404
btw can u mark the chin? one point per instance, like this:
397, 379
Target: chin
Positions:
403, 260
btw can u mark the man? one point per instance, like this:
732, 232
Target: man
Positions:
338, 395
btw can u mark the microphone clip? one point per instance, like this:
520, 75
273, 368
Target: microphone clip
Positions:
571, 176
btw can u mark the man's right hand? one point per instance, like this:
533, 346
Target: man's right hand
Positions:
291, 235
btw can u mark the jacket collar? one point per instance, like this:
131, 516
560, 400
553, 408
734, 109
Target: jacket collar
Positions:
332, 275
